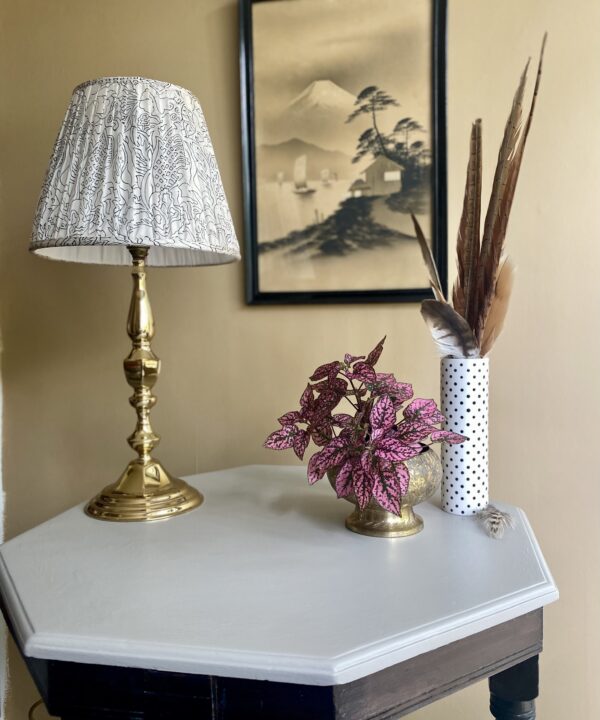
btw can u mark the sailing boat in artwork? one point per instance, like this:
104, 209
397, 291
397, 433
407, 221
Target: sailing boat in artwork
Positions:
300, 186
325, 177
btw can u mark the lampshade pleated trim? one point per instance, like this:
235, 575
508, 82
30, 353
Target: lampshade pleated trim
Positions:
134, 165
112, 254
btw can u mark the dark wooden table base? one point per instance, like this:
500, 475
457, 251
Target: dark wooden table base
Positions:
512, 710
506, 654
513, 692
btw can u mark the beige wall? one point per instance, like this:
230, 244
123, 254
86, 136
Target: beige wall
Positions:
229, 369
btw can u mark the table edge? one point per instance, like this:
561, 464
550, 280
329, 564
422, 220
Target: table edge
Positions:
312, 670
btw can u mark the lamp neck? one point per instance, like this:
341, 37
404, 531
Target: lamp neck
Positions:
140, 322
141, 366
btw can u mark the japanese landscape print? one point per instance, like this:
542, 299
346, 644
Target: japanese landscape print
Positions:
342, 93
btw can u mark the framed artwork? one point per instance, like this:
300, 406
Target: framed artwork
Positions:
344, 137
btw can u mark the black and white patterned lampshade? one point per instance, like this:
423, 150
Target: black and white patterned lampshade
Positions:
133, 164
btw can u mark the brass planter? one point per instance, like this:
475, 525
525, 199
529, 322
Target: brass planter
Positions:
425, 472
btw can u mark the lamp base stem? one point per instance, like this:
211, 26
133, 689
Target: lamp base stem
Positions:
144, 492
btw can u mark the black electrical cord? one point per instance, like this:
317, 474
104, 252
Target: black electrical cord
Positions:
33, 708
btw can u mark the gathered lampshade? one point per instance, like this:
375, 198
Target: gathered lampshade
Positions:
133, 179
133, 164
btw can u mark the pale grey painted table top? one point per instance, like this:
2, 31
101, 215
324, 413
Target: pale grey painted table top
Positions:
263, 582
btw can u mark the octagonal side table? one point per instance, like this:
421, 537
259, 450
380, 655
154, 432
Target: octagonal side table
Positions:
260, 604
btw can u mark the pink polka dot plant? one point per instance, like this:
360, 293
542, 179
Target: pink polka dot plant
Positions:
370, 444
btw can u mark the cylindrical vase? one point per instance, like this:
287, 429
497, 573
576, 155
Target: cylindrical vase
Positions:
464, 403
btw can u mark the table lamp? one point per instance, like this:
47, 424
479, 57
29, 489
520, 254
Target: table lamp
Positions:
133, 179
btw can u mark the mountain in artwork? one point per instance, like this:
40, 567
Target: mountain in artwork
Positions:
323, 98
280, 158
318, 116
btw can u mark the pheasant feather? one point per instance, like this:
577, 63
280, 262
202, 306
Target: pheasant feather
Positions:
505, 182
467, 245
434, 278
480, 296
492, 241
498, 307
495, 521
450, 331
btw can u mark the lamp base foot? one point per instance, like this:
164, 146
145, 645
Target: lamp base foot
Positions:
145, 492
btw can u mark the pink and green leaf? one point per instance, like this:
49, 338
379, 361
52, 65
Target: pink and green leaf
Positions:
366, 462
392, 484
386, 384
363, 486
321, 433
402, 477
423, 411
393, 450
343, 481
315, 469
307, 398
300, 443
383, 416
290, 418
331, 455
328, 370
387, 490
449, 437
349, 359
281, 439
375, 353
410, 431
363, 372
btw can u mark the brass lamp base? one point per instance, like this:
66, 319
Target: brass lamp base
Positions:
144, 493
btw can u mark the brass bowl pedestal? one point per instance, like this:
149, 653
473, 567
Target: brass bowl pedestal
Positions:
425, 472
377, 522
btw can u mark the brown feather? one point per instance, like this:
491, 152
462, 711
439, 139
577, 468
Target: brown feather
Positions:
450, 331
498, 307
434, 277
500, 223
458, 299
467, 245
492, 241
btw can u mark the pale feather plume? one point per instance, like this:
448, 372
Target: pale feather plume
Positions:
450, 331
498, 307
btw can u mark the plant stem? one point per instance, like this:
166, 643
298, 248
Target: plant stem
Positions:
351, 403
356, 395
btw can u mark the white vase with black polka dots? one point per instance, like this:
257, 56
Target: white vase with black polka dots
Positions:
464, 403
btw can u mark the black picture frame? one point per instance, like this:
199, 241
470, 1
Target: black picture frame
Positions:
254, 295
